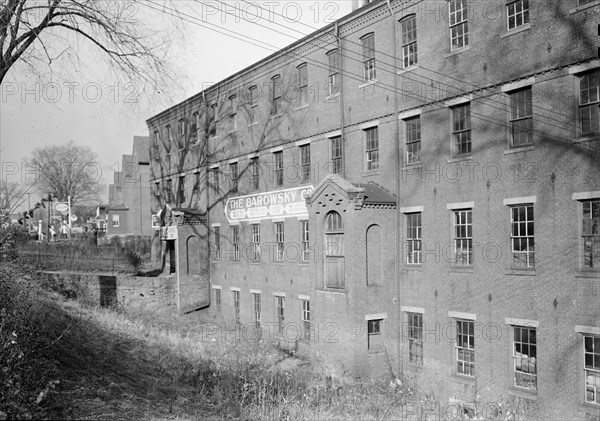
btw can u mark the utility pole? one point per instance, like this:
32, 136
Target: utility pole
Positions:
49, 216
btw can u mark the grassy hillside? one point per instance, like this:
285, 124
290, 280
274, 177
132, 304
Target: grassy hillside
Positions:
60, 359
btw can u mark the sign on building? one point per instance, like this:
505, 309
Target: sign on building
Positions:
268, 205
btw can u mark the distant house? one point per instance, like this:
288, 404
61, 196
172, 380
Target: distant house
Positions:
129, 195
117, 221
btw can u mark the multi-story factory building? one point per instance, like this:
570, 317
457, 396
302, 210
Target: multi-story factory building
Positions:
411, 191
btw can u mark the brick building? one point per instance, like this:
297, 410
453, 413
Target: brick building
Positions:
412, 191
129, 194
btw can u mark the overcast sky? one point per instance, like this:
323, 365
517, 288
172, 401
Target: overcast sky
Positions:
87, 105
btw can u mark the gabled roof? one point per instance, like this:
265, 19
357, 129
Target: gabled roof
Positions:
363, 194
192, 216
377, 195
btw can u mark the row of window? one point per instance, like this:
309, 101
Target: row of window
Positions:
256, 310
521, 134
282, 250
522, 237
524, 352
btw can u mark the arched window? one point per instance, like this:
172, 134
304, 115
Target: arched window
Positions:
334, 251
192, 255
373, 255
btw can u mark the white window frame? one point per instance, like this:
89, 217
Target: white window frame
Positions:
305, 233
592, 103
458, 236
412, 139
235, 241
519, 370
372, 148
256, 252
280, 313
305, 318
305, 165
518, 116
526, 235
257, 309
337, 161
333, 62
375, 328
276, 95
414, 239
116, 218
459, 24
278, 165
414, 334
334, 250
303, 83
467, 341
368, 57
408, 25
518, 10
279, 241
461, 128
235, 296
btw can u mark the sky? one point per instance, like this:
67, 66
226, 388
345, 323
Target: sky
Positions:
85, 103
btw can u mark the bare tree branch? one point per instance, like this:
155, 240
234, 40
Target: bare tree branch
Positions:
131, 45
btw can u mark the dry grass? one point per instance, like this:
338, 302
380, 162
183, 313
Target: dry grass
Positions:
111, 365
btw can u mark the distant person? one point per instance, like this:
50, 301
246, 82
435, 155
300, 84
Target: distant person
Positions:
64, 230
52, 233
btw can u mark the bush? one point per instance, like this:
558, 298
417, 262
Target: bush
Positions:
26, 376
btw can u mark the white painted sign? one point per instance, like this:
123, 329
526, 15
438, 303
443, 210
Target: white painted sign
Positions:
61, 207
268, 205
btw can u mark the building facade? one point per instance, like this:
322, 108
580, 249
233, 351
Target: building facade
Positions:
129, 194
412, 191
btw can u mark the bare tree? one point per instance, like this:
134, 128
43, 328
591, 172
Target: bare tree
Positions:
39, 31
10, 199
66, 170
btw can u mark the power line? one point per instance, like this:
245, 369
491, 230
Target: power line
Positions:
359, 78
394, 58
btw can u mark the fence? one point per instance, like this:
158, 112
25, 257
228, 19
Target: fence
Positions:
80, 257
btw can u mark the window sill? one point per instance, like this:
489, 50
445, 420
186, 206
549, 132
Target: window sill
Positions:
519, 149
376, 351
332, 96
302, 107
370, 173
592, 137
590, 405
523, 393
460, 158
273, 117
253, 124
510, 32
457, 51
408, 69
304, 264
520, 272
459, 378
367, 83
232, 132
462, 269
332, 291
413, 267
412, 166
587, 273
584, 6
